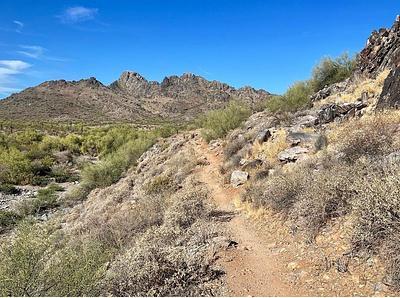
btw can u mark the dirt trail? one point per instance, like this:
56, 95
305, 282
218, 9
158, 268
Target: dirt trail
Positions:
252, 269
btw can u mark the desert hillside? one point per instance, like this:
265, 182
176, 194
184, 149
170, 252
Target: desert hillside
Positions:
254, 195
131, 98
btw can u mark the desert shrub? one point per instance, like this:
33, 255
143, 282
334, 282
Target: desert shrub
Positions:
233, 146
123, 227
321, 142
51, 143
62, 174
329, 71
72, 142
9, 189
297, 97
170, 260
42, 167
8, 219
369, 136
310, 198
28, 136
79, 269
23, 266
278, 192
46, 198
377, 208
111, 168
36, 262
159, 184
325, 195
218, 123
15, 167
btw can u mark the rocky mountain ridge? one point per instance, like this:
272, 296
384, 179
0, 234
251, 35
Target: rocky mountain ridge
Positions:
130, 98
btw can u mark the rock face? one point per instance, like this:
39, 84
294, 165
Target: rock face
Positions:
239, 177
382, 51
390, 96
330, 112
130, 98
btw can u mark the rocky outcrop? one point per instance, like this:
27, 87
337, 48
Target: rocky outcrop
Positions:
390, 96
382, 51
329, 90
331, 112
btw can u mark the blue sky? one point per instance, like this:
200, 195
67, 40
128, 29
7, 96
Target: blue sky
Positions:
265, 44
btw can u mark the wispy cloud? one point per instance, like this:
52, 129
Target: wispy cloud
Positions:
32, 51
20, 26
78, 14
38, 52
9, 69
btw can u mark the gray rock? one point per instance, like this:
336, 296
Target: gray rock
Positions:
239, 177
263, 136
307, 121
390, 96
292, 154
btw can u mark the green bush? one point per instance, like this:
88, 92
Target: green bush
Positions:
8, 219
46, 199
330, 71
297, 97
8, 189
36, 263
218, 123
15, 167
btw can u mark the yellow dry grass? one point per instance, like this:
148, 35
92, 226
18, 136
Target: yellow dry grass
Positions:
272, 148
361, 85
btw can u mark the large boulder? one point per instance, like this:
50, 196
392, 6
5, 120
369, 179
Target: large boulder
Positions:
239, 177
390, 96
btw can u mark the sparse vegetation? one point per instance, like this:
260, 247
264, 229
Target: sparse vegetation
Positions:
325, 73
297, 97
329, 71
218, 123
360, 182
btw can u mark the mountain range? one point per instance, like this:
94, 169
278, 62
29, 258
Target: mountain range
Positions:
130, 98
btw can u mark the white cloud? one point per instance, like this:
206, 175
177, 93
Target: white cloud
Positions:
32, 51
8, 70
20, 26
78, 14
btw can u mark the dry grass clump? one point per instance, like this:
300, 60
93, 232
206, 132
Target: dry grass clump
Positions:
159, 184
310, 195
369, 136
172, 259
360, 86
270, 150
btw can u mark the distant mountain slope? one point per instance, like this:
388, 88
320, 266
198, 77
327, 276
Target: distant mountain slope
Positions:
130, 98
